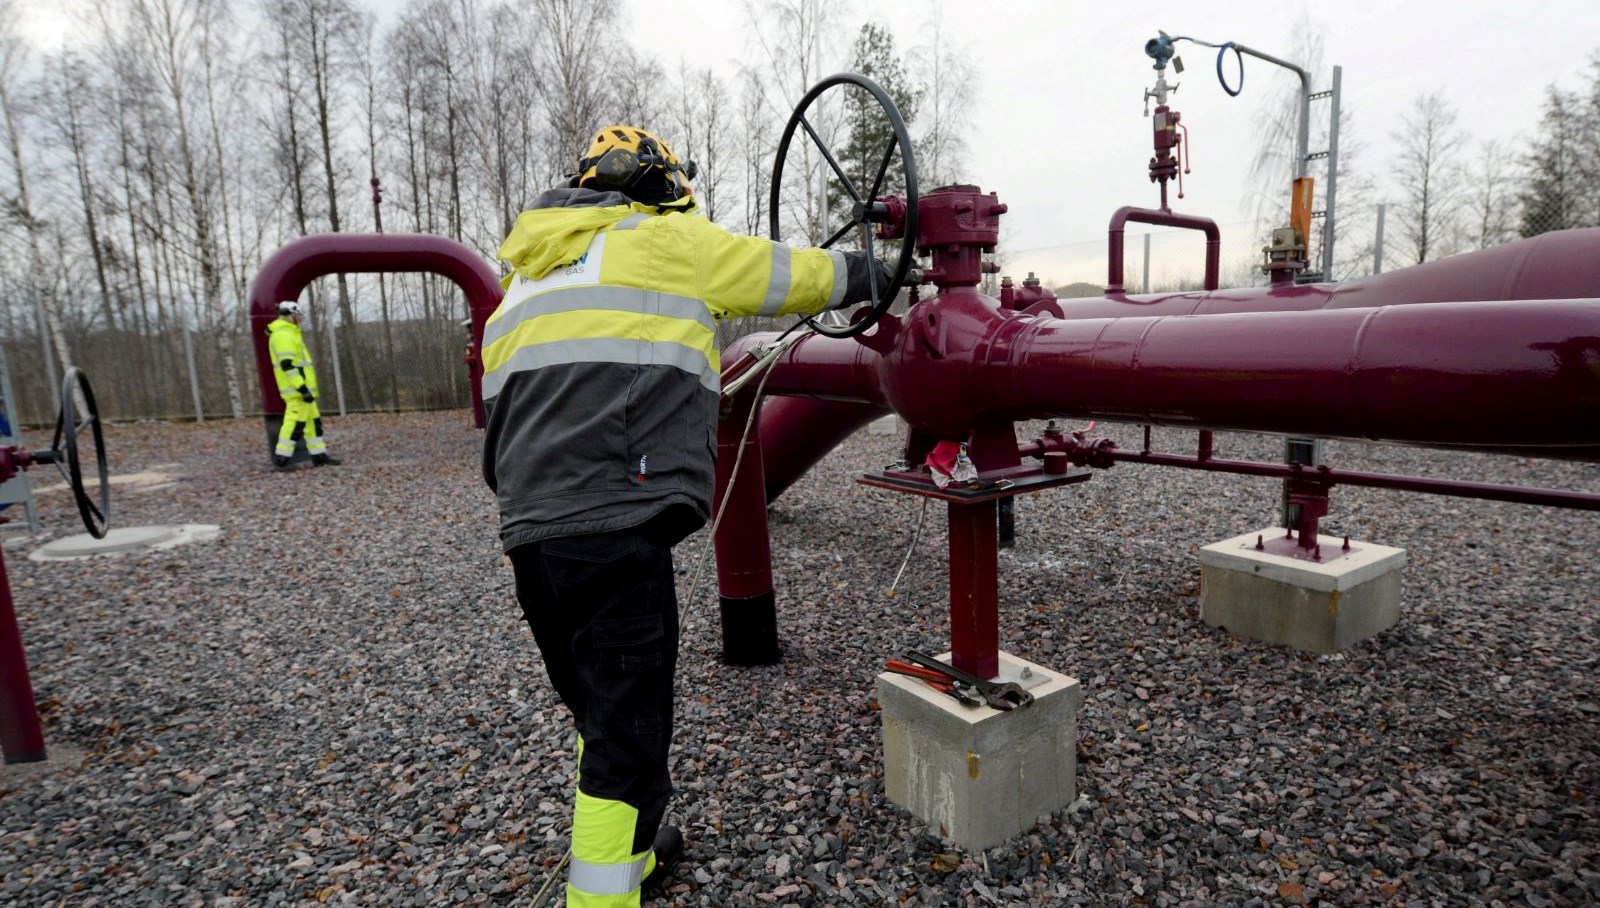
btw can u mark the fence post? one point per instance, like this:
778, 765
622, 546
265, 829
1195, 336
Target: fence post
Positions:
1144, 286
1377, 243
194, 374
338, 376
49, 355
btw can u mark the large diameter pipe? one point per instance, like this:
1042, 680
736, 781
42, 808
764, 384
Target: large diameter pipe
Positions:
799, 431
840, 387
288, 271
1475, 375
1562, 264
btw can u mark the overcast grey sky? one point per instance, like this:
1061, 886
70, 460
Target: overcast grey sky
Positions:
1067, 79
1057, 127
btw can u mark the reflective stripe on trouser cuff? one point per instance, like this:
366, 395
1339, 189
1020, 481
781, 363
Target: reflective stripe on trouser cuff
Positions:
284, 448
587, 881
316, 445
605, 872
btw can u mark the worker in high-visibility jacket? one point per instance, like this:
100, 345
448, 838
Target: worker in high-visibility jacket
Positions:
297, 385
601, 381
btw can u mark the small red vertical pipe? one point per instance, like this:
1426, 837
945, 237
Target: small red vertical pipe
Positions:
1161, 218
744, 552
287, 272
21, 739
974, 588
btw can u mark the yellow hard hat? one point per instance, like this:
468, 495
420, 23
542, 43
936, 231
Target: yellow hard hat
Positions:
635, 163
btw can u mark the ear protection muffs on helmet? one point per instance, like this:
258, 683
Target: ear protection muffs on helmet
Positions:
621, 156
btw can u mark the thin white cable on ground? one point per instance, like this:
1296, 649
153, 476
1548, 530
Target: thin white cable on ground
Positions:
550, 881
921, 515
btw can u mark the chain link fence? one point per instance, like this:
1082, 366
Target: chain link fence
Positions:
402, 349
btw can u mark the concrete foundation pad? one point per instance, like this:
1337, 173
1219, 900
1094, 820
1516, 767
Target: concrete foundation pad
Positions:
978, 775
887, 425
1317, 607
57, 758
124, 540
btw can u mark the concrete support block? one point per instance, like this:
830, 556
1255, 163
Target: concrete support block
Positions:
1317, 607
886, 425
978, 775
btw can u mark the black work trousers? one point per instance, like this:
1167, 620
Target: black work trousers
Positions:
604, 612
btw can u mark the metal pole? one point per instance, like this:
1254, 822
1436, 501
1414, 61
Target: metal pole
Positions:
194, 375
1303, 450
1333, 180
1008, 522
974, 587
1304, 136
1377, 242
338, 377
1144, 286
49, 355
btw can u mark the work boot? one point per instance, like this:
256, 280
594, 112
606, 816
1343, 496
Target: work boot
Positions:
279, 462
325, 460
668, 848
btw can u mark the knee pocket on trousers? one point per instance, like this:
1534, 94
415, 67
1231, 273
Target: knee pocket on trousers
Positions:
631, 644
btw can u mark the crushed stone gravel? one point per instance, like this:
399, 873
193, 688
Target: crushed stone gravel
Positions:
336, 700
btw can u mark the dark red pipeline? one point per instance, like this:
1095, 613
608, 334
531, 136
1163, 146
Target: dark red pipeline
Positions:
1493, 351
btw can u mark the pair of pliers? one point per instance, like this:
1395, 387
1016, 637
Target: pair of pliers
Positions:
998, 694
937, 680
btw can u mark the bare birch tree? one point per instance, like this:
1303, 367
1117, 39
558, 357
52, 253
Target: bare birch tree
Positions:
575, 55
700, 121
795, 41
948, 81
758, 133
1428, 176
175, 34
1489, 207
19, 207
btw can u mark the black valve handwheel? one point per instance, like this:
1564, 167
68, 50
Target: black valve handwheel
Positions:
866, 208
72, 431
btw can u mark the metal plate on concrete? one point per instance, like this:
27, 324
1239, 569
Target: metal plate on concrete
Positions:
58, 758
124, 540
1339, 570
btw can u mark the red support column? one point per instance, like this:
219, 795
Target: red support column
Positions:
21, 740
744, 553
974, 588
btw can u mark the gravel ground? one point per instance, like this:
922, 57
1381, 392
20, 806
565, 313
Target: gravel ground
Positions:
337, 702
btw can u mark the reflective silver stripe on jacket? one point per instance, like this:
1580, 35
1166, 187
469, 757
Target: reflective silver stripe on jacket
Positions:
604, 350
632, 221
616, 299
841, 278
606, 879
777, 281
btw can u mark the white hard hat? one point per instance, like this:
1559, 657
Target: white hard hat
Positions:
290, 307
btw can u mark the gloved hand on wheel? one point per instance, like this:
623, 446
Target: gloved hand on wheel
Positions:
865, 275
307, 396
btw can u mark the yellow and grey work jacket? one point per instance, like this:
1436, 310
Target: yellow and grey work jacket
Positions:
291, 361
601, 372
